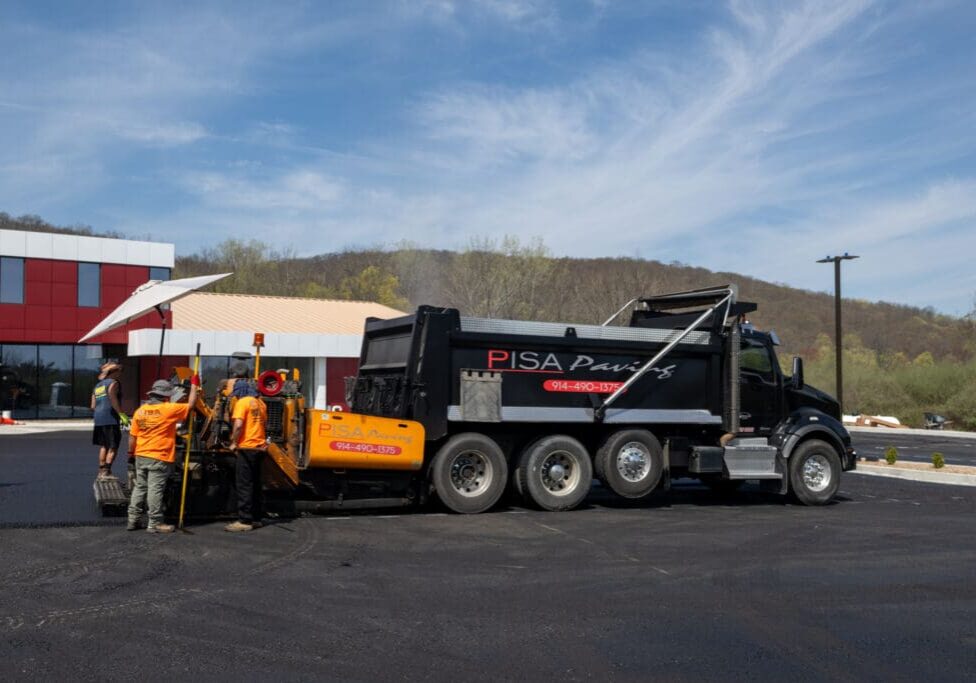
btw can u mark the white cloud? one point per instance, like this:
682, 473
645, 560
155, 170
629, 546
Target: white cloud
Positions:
772, 135
299, 191
677, 161
518, 14
493, 125
914, 248
179, 133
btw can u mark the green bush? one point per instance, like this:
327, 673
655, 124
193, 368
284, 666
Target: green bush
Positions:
938, 461
889, 386
891, 455
961, 408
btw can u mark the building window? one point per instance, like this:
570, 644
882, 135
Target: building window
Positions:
11, 280
18, 380
89, 285
47, 380
159, 274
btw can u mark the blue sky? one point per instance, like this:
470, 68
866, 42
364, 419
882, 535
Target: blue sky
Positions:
744, 136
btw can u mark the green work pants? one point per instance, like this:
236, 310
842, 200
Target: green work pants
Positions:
150, 485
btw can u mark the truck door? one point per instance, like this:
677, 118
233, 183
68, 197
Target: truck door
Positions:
759, 382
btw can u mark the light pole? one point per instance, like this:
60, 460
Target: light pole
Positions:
837, 324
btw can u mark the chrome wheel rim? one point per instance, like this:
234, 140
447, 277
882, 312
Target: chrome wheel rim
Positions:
471, 473
816, 473
633, 461
560, 473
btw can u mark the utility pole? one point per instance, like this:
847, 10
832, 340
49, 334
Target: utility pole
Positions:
838, 334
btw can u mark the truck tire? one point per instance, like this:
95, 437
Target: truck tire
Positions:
555, 473
469, 473
631, 462
814, 468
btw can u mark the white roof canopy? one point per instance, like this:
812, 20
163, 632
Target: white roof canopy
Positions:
225, 342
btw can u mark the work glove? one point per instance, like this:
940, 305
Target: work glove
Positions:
195, 380
124, 420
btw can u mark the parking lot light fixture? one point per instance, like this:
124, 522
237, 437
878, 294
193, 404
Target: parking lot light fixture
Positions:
839, 362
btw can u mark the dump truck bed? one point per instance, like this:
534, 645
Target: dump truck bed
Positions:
439, 367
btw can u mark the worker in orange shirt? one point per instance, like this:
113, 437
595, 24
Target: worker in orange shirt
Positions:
248, 439
152, 438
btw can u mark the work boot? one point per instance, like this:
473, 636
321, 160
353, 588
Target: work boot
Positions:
133, 526
161, 529
239, 526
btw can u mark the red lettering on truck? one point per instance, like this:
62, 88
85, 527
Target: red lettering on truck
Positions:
359, 447
581, 386
497, 356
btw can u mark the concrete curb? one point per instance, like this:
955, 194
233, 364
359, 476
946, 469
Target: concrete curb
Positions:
916, 475
41, 426
886, 431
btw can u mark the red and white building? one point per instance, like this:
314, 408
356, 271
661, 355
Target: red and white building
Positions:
55, 288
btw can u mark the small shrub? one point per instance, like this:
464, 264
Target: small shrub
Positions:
891, 455
938, 461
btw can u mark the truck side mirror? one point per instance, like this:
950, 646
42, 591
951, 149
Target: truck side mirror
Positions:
797, 373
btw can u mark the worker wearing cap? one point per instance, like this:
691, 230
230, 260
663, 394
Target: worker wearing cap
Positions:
106, 405
248, 440
153, 441
238, 371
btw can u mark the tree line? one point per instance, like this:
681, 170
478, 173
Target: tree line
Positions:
512, 278
899, 360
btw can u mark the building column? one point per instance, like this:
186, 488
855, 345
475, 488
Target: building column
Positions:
320, 378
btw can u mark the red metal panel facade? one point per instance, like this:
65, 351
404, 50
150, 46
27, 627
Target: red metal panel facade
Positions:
336, 371
50, 313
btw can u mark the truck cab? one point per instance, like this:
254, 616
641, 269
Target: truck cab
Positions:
774, 405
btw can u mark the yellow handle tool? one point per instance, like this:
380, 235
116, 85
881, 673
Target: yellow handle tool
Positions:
189, 442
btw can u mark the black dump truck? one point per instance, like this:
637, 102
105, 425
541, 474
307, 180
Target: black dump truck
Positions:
687, 389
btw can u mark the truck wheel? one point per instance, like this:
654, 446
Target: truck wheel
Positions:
631, 462
814, 469
555, 473
469, 473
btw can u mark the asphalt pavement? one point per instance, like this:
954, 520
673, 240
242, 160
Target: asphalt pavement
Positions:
46, 478
916, 447
877, 586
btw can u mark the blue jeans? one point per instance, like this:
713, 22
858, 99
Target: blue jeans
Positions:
150, 485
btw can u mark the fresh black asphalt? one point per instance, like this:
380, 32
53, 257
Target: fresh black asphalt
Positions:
878, 586
916, 447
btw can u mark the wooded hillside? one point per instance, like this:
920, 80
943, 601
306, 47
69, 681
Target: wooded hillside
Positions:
509, 279
900, 360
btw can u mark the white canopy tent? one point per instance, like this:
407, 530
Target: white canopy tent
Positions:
152, 295
148, 297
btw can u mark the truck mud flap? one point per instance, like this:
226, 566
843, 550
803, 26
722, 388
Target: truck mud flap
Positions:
481, 396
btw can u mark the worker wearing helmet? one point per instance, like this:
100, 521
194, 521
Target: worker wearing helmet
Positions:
249, 440
153, 441
106, 406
